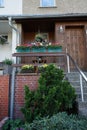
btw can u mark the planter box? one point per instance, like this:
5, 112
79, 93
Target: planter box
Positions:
54, 50
7, 69
43, 49
23, 50
27, 71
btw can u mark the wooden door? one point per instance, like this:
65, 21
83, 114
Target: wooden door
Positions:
75, 45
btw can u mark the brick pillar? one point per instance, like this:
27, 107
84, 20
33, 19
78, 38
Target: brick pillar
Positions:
4, 96
21, 81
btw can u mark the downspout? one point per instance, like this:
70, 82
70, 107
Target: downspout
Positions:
17, 31
12, 93
13, 71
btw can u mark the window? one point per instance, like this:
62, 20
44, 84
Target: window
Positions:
47, 3
1, 3
3, 39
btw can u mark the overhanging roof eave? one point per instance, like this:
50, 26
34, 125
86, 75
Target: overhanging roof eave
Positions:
18, 17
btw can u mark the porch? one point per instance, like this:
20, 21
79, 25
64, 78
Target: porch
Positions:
70, 35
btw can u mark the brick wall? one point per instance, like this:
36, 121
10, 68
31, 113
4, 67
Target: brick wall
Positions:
21, 81
4, 96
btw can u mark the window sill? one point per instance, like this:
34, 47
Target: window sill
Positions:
48, 7
1, 6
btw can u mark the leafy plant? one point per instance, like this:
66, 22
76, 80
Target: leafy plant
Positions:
7, 61
3, 40
53, 95
27, 68
54, 46
39, 38
42, 68
59, 121
12, 124
23, 46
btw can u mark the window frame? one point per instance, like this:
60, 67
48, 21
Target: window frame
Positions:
1, 3
48, 5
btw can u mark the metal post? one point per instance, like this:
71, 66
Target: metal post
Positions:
68, 65
81, 87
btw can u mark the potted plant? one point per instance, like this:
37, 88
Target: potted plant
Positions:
7, 66
42, 68
27, 69
23, 48
39, 38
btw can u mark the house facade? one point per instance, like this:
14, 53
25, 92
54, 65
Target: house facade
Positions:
61, 22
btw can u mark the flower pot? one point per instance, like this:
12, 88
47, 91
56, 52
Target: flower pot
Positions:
7, 69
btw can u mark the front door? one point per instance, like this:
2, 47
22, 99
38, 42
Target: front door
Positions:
75, 45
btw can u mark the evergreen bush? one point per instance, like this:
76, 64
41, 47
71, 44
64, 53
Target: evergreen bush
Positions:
54, 94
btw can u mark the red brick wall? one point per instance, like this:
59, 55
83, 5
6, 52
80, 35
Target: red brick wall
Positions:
21, 81
4, 96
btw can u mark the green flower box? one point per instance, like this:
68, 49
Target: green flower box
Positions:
41, 49
54, 48
23, 50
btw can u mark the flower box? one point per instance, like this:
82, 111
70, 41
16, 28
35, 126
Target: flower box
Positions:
27, 69
38, 49
54, 48
23, 48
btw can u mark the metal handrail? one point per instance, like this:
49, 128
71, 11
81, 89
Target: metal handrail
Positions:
82, 75
79, 70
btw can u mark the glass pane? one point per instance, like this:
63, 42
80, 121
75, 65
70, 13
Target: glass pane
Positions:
47, 2
1, 2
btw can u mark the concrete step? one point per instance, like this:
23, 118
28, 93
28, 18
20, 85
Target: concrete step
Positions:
78, 89
77, 83
74, 80
79, 98
82, 108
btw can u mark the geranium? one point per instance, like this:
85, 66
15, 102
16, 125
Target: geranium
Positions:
23, 46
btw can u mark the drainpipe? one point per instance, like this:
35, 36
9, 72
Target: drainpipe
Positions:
12, 92
17, 31
13, 71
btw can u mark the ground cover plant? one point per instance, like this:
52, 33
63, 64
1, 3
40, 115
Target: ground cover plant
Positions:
59, 121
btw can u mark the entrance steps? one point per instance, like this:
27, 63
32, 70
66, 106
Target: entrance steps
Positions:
74, 79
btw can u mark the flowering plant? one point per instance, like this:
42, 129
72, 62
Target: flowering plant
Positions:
23, 46
27, 68
54, 46
42, 67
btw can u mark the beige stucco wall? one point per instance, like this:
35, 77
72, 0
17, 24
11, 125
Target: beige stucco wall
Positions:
11, 7
62, 7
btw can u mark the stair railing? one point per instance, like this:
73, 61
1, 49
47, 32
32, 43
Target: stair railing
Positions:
81, 74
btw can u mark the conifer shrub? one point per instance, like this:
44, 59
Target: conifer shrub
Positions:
54, 94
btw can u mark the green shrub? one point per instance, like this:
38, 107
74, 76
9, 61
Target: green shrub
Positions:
60, 121
12, 124
53, 95
7, 61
